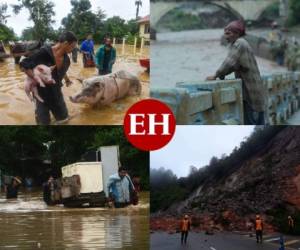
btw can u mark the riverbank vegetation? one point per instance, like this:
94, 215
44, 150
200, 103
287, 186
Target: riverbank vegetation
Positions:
39, 151
82, 20
6, 34
204, 15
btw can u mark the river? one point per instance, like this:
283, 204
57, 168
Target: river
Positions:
27, 224
191, 56
16, 108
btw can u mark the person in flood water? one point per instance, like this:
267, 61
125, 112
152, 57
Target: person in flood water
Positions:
13, 188
75, 54
48, 188
105, 57
52, 94
242, 62
87, 50
120, 189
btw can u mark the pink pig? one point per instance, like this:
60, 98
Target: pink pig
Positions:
41, 76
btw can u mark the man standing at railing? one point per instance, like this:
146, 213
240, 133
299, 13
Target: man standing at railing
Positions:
241, 61
105, 57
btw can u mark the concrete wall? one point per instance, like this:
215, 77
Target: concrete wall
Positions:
203, 103
220, 102
284, 96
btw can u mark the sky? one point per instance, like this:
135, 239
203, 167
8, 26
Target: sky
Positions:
124, 8
196, 145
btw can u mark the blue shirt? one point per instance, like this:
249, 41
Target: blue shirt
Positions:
87, 46
120, 188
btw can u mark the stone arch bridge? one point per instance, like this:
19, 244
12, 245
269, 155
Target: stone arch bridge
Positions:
247, 9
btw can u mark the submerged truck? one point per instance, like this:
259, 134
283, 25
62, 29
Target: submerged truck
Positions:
85, 183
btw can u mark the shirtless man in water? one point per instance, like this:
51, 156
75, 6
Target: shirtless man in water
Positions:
52, 94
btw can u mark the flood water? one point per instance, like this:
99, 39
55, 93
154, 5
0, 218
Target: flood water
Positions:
191, 56
16, 108
27, 223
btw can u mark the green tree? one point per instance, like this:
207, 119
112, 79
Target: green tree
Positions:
115, 27
28, 34
41, 13
23, 149
82, 21
6, 34
294, 17
3, 10
132, 27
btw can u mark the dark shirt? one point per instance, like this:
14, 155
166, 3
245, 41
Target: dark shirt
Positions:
45, 56
106, 60
2, 49
46, 193
12, 191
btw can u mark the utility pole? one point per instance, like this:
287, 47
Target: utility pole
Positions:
138, 3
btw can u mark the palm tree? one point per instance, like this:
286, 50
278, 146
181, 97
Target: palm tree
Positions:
138, 3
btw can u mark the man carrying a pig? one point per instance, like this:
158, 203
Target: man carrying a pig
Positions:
51, 94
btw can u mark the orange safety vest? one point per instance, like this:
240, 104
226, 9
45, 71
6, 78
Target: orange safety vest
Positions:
185, 225
258, 224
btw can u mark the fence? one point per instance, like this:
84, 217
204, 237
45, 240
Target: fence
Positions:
137, 49
220, 102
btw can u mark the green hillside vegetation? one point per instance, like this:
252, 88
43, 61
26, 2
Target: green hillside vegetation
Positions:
177, 20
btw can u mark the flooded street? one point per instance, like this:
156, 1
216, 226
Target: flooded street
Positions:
191, 56
16, 108
27, 223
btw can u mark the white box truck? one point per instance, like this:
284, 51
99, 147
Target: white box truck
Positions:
85, 183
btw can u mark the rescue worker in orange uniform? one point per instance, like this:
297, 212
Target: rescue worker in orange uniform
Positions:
185, 226
291, 224
258, 229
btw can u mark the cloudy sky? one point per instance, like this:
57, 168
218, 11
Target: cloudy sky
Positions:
195, 145
123, 8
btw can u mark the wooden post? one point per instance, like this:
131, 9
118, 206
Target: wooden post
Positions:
114, 42
142, 45
123, 47
134, 46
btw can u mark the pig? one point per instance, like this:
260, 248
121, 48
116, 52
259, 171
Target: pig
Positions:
41, 76
103, 90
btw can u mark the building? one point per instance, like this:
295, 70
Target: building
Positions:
144, 27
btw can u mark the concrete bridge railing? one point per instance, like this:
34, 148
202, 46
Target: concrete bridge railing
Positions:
220, 102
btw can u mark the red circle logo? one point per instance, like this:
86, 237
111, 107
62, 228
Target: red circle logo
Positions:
149, 124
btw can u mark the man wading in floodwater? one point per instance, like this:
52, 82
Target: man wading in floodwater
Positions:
52, 94
121, 189
241, 61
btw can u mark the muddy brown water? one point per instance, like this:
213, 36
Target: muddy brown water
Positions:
16, 108
27, 224
190, 56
